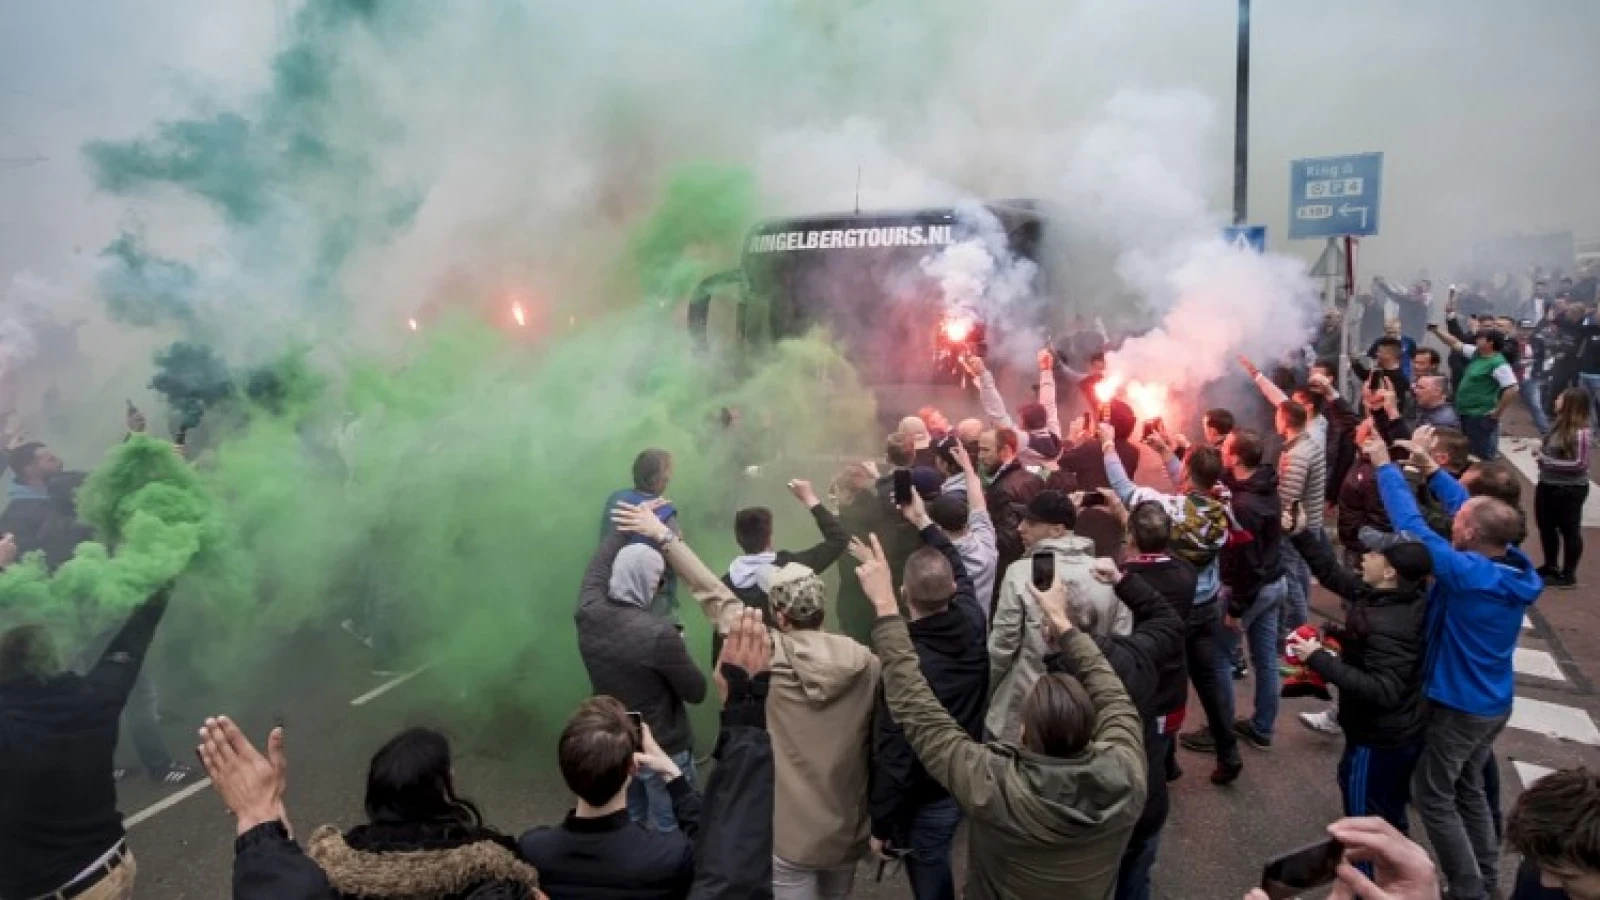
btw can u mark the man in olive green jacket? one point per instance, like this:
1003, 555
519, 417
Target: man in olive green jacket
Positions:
1040, 824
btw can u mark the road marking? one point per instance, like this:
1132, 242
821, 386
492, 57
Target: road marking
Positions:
1537, 663
161, 806
1567, 723
388, 686
1529, 773
1519, 451
1527, 624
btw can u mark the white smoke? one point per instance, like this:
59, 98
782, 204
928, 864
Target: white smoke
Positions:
1141, 176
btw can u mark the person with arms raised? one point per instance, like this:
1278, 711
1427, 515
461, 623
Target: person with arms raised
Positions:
1049, 815
1483, 586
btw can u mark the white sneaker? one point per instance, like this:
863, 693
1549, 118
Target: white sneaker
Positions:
1325, 722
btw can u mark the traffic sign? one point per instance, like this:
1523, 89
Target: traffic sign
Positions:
1246, 237
1334, 196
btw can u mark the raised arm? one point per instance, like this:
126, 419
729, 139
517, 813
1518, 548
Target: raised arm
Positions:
718, 603
1272, 392
597, 577
994, 406
118, 667
1047, 392
834, 538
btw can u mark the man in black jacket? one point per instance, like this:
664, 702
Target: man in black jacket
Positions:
597, 852
733, 852
1253, 572
752, 528
1150, 530
911, 813
1011, 486
1378, 670
1139, 659
641, 659
59, 825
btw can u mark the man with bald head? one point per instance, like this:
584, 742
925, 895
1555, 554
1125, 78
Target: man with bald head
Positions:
1483, 585
1433, 402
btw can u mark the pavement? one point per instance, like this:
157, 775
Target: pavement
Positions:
336, 714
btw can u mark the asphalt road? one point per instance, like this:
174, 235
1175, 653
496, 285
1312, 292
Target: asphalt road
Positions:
1213, 846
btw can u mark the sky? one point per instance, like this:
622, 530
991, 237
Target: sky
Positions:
1487, 112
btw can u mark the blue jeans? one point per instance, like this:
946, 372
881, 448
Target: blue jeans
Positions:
1591, 383
1532, 390
1260, 626
933, 830
139, 715
1297, 611
648, 800
1133, 876
1483, 436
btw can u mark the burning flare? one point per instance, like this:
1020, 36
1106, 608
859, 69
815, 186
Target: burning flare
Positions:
412, 324
957, 328
516, 313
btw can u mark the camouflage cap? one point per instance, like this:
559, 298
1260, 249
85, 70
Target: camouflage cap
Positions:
797, 592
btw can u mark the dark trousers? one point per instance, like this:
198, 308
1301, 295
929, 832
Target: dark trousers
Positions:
1483, 436
1133, 874
1377, 782
1206, 648
933, 831
1453, 802
1558, 511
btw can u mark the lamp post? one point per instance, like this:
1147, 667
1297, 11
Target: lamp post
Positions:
1241, 119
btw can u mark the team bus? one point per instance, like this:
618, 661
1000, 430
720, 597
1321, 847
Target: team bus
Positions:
862, 277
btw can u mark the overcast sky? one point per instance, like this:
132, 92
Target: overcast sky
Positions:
1488, 112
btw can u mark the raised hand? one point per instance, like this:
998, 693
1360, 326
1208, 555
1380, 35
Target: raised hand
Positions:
640, 520
251, 785
803, 492
873, 572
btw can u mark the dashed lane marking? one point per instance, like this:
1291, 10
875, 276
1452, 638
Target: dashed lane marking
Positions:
388, 686
1537, 663
166, 803
1567, 723
1528, 773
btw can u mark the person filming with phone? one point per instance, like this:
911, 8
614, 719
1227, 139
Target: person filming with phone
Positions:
1017, 647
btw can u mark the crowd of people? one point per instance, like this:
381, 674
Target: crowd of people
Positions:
1020, 612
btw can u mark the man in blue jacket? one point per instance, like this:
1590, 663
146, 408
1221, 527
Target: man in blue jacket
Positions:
1483, 585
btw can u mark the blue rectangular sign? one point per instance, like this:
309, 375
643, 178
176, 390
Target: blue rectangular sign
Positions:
1335, 196
1247, 237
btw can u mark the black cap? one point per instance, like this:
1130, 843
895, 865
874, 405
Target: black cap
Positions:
1051, 508
1410, 560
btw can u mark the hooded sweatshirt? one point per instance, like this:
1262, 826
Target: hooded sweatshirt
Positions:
1475, 607
631, 653
1254, 558
1038, 826
1017, 647
819, 712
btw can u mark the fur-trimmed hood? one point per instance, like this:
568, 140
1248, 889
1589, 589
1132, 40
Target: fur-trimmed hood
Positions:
447, 873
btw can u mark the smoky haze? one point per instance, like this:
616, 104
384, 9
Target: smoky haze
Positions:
260, 176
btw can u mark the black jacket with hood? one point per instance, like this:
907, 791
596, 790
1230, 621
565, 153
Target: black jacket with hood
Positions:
58, 740
421, 861
631, 653
744, 579
1175, 581
1379, 667
952, 651
1254, 560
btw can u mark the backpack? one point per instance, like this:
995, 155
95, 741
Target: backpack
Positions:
1202, 529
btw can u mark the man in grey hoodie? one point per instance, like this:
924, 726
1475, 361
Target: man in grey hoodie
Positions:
640, 659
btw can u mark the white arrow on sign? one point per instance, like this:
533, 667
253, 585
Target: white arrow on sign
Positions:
1347, 209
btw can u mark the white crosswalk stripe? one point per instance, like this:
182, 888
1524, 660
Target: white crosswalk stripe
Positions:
1528, 773
1538, 663
1566, 723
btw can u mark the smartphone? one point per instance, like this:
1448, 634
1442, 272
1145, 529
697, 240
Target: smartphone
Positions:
902, 487
1044, 570
636, 722
1092, 499
1297, 871
1152, 426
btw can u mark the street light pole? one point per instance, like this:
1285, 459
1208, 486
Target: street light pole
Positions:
1241, 119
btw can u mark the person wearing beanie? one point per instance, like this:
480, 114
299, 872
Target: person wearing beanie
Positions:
1377, 668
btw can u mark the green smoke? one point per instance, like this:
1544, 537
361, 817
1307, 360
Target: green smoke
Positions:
457, 482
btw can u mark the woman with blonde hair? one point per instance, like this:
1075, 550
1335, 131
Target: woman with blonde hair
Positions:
1563, 487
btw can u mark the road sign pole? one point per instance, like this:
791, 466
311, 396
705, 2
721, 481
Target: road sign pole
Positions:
1241, 119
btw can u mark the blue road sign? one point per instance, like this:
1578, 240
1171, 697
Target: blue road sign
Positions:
1247, 237
1335, 196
